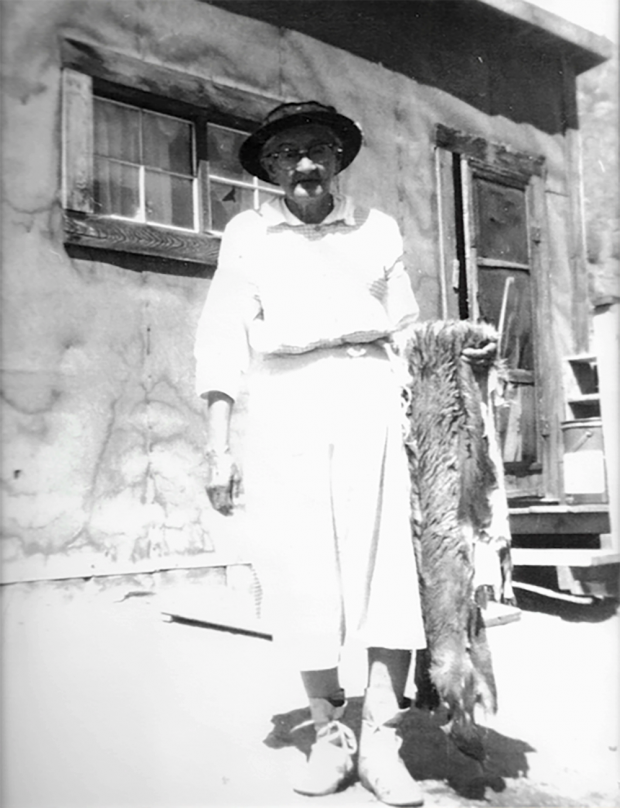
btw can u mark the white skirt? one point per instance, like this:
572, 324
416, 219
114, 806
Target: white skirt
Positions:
327, 493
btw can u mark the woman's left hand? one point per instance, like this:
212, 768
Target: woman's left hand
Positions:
481, 358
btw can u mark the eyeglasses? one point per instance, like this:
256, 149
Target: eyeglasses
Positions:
289, 156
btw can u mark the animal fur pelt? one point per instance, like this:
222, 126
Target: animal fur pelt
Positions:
452, 476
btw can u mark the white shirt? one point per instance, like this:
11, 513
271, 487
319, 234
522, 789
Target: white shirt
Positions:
286, 287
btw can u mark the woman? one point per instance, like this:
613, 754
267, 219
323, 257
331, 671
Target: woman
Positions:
309, 293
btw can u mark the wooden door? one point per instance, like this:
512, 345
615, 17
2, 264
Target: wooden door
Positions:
491, 223
500, 289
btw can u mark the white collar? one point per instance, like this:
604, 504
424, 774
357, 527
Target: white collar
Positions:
275, 211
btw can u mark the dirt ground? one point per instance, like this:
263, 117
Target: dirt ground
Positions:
106, 704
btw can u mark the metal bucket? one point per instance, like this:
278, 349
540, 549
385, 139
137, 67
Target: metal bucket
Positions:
585, 480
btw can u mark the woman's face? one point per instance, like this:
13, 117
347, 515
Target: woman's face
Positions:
303, 161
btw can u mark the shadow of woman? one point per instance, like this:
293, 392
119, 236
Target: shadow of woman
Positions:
430, 754
427, 751
571, 612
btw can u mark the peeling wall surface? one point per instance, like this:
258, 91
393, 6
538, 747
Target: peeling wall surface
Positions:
103, 435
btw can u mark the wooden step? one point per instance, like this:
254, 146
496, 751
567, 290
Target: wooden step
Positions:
583, 359
585, 398
554, 519
562, 557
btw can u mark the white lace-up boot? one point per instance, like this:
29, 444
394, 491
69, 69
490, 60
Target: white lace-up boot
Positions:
380, 766
330, 764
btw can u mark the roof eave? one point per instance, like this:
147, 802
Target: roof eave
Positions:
585, 48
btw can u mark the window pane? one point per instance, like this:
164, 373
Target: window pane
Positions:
511, 290
169, 200
502, 222
116, 188
223, 148
517, 424
269, 187
263, 196
227, 201
167, 143
117, 131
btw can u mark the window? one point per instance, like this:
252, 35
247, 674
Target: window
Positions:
144, 166
504, 271
501, 280
231, 189
150, 156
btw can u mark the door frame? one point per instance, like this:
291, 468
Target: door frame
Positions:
458, 156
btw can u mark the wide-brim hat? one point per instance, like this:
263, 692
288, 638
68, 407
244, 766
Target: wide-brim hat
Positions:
288, 116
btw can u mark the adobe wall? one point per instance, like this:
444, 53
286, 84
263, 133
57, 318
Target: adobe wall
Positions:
598, 112
103, 436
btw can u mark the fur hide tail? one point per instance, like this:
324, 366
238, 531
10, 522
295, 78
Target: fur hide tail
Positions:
452, 476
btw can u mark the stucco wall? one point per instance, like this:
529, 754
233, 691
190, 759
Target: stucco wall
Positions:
598, 110
103, 436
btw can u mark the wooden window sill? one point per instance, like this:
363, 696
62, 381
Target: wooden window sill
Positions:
90, 230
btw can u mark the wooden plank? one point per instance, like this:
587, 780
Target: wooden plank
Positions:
448, 261
581, 359
566, 522
498, 614
144, 239
607, 345
497, 263
562, 557
204, 196
586, 398
548, 366
553, 506
503, 159
138, 75
469, 232
519, 376
77, 141
576, 224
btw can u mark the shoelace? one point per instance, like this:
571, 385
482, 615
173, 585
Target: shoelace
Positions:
339, 735
391, 740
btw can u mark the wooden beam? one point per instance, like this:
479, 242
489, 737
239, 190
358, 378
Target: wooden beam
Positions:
446, 217
138, 75
132, 237
520, 165
549, 389
576, 226
77, 141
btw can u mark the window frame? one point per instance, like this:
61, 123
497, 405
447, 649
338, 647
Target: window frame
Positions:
89, 71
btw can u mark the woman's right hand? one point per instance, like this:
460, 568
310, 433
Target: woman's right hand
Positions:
223, 478
223, 481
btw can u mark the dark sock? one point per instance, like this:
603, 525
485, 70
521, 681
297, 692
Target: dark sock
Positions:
338, 699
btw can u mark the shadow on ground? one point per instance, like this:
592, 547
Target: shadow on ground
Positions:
428, 753
596, 612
